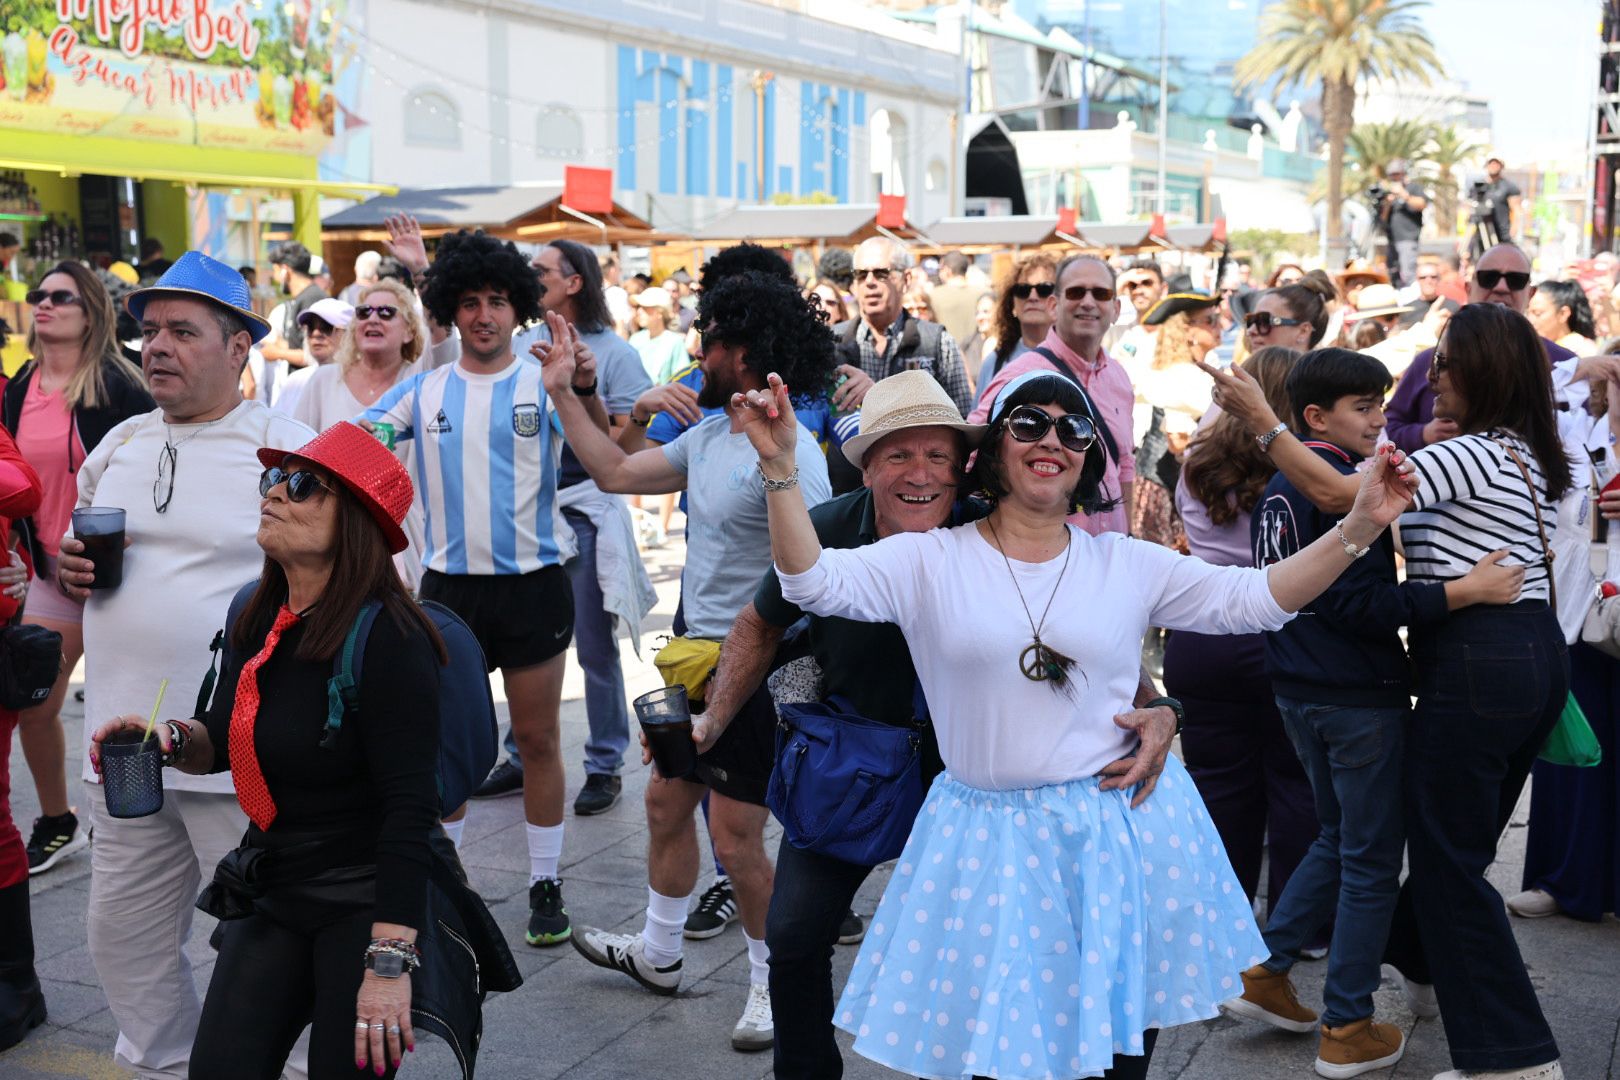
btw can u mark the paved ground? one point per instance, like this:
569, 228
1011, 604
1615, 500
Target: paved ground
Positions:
573, 1020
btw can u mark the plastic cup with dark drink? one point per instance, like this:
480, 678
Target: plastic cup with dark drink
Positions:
666, 720
101, 530
132, 774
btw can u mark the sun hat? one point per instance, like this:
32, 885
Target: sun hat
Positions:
652, 296
1175, 304
195, 274
334, 313
1377, 299
1359, 271
358, 461
909, 399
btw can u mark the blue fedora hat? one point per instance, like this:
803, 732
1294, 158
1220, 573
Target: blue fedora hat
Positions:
195, 274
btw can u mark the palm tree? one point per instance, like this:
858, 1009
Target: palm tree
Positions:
1338, 43
1447, 150
1376, 145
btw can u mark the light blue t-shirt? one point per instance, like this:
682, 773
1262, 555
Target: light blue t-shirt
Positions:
728, 536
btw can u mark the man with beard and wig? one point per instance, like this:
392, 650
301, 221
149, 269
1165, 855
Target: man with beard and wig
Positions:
752, 324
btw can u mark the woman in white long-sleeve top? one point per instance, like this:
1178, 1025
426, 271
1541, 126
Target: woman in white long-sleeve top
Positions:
1063, 894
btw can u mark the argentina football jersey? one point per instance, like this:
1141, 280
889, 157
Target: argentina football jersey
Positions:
487, 452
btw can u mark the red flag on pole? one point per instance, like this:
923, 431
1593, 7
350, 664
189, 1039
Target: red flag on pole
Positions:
1218, 236
1066, 219
589, 191
1158, 230
892, 211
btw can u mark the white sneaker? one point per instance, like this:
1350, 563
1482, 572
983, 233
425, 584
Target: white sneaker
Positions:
1533, 904
628, 953
756, 1030
1550, 1071
1420, 997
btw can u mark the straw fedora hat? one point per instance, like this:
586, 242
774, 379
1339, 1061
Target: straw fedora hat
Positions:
1377, 299
909, 399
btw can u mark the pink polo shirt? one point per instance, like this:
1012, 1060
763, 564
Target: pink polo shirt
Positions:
1111, 391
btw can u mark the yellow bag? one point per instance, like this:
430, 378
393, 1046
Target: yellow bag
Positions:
688, 662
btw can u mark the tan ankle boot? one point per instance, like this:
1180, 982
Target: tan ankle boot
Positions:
1358, 1047
1268, 996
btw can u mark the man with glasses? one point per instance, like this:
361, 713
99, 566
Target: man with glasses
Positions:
1425, 293
1087, 306
1502, 276
1142, 284
883, 339
324, 322
570, 276
186, 475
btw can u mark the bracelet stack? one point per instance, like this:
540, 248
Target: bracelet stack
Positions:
179, 735
399, 947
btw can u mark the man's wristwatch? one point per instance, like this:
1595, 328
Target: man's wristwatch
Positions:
1173, 705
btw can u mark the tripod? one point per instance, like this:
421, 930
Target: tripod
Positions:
1484, 235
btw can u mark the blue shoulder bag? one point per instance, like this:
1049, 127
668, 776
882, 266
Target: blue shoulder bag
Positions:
846, 786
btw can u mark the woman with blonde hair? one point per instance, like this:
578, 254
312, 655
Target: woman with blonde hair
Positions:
381, 348
76, 388
1234, 743
659, 341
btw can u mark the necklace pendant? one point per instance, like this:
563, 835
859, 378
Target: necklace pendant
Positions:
1036, 663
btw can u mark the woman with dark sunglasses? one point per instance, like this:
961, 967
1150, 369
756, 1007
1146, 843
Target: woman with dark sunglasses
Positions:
323, 902
1063, 895
1025, 311
77, 387
1292, 316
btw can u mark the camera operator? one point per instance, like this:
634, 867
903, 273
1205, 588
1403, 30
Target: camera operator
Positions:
1500, 203
1400, 214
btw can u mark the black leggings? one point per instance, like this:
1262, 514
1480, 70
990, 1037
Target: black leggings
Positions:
1127, 1066
269, 983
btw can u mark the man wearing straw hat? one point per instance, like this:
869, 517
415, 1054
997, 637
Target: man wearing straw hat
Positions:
185, 475
911, 452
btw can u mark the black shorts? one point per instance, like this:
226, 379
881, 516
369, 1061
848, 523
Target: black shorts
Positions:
739, 765
519, 619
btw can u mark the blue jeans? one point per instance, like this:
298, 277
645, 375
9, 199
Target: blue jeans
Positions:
1354, 757
607, 708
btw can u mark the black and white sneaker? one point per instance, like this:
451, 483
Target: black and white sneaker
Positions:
716, 909
54, 839
627, 953
851, 930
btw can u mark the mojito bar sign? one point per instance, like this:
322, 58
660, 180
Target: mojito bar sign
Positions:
228, 74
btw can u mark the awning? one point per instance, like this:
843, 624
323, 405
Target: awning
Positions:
1129, 237
986, 233
840, 223
335, 188
526, 212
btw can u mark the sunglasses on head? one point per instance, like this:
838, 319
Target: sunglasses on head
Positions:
301, 484
385, 312
1516, 279
1023, 290
1100, 293
878, 273
1262, 322
57, 297
1030, 423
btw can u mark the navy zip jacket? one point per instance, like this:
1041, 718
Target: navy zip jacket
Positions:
1344, 648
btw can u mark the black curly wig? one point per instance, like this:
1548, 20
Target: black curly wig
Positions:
765, 314
1089, 495
743, 257
468, 261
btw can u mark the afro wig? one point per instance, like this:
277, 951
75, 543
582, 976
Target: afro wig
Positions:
742, 257
765, 314
468, 261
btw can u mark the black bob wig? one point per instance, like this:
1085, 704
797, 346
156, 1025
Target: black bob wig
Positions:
1089, 495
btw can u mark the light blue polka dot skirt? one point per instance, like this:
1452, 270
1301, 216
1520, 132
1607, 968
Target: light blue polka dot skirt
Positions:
1036, 933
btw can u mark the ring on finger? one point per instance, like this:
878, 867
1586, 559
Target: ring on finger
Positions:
393, 1029
361, 1025
376, 1027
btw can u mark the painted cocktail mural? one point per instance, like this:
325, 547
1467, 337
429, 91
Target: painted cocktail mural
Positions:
231, 74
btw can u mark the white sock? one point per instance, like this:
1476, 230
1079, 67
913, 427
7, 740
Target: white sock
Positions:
545, 850
452, 829
666, 919
759, 961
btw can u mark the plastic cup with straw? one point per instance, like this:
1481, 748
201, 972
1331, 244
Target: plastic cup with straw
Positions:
132, 768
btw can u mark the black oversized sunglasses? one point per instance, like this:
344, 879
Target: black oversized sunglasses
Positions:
1263, 322
1043, 289
1030, 423
1517, 280
301, 484
57, 297
385, 312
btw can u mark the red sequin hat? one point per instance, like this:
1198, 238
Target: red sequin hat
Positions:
363, 465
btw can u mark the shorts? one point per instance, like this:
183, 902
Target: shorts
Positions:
519, 619
739, 765
45, 600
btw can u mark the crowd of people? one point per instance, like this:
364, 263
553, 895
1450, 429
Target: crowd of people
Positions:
1332, 530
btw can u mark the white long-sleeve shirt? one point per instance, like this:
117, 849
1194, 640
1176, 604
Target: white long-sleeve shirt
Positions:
949, 591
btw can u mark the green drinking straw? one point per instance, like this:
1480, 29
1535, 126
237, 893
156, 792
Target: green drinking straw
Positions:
163, 688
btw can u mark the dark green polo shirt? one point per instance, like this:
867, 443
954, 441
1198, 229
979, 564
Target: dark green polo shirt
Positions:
868, 664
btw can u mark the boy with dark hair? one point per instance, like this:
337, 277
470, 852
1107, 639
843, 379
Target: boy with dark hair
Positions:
1343, 686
